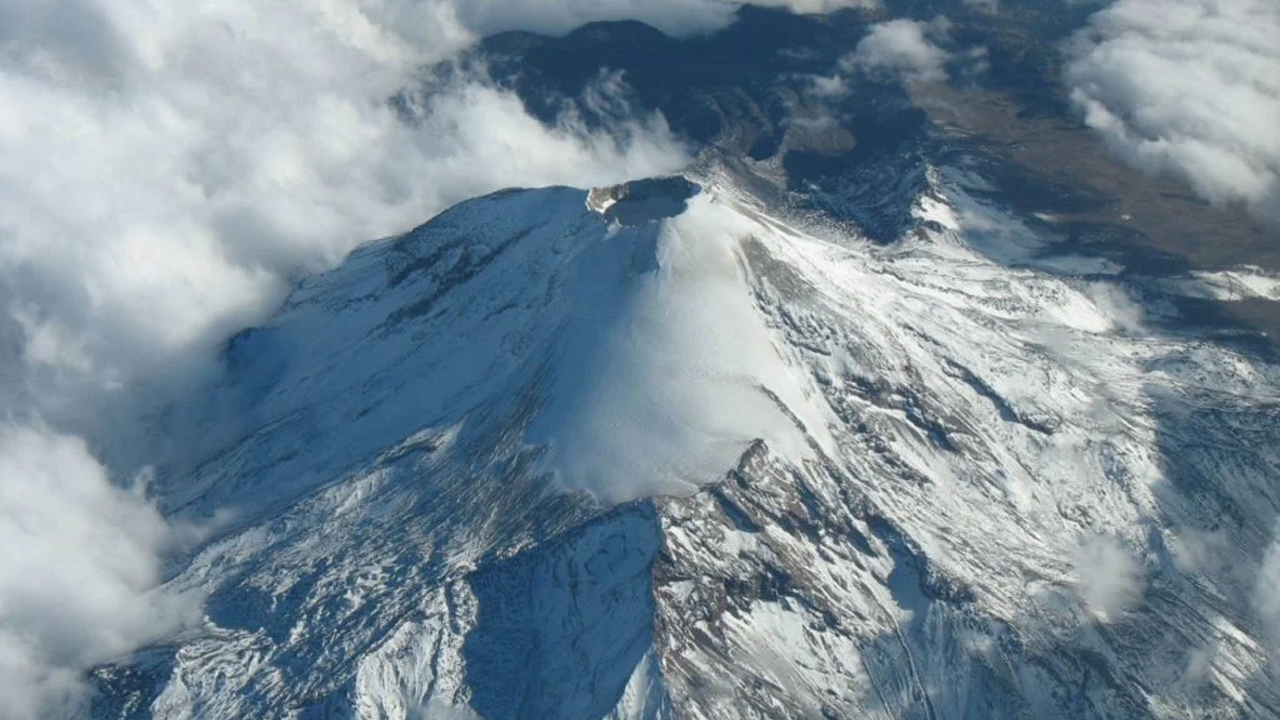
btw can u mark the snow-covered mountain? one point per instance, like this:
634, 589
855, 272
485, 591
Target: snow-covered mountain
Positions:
675, 449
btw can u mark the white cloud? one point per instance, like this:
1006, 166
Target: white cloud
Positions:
903, 50
1190, 88
828, 87
1117, 305
77, 559
164, 169
1109, 579
150, 210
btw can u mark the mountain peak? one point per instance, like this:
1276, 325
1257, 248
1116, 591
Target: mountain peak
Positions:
640, 201
528, 462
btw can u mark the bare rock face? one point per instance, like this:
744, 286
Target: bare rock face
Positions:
642, 201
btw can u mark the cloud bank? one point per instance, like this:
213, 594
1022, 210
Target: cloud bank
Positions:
156, 190
1189, 88
165, 168
77, 561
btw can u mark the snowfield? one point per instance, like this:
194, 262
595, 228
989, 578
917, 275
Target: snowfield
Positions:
719, 461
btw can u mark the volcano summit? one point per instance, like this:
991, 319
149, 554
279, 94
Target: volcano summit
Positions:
905, 396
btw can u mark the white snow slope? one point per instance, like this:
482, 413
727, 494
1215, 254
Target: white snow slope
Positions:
524, 462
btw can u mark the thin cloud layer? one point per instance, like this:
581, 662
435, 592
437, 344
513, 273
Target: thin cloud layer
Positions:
1190, 88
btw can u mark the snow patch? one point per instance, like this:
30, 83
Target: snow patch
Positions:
668, 372
1243, 283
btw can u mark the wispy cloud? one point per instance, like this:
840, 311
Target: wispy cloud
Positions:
903, 50
1109, 579
1267, 599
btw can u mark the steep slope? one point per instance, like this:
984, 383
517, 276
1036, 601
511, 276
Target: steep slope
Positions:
694, 458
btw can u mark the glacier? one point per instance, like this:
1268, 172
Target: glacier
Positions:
712, 456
